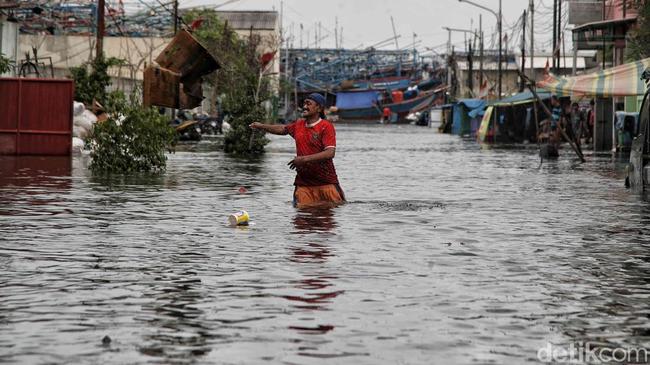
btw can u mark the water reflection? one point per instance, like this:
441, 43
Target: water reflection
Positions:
35, 171
317, 288
33, 181
609, 293
176, 328
314, 219
454, 253
133, 182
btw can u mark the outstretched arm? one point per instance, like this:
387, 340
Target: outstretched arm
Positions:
271, 128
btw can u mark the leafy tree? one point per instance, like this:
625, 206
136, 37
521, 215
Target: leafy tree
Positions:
638, 42
132, 139
241, 81
91, 79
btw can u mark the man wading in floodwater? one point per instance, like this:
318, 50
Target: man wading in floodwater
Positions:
316, 181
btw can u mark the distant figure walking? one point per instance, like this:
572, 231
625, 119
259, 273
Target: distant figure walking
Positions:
316, 182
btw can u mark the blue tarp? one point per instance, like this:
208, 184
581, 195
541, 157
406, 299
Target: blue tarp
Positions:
475, 107
466, 115
472, 103
356, 99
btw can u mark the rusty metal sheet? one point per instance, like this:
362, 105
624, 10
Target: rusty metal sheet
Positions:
186, 56
36, 116
162, 87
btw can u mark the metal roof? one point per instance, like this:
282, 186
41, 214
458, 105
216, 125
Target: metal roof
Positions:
244, 20
603, 23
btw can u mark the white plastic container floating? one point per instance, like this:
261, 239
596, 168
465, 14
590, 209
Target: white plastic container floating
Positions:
239, 218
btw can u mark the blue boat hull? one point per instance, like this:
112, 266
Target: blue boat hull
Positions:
359, 114
402, 109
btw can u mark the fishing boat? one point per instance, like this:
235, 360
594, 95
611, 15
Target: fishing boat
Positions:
358, 105
366, 106
384, 83
403, 108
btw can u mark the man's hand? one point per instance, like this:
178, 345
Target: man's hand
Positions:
255, 125
297, 162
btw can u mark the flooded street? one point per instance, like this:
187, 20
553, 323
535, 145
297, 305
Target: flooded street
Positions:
446, 253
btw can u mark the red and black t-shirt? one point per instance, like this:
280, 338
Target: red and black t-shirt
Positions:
311, 140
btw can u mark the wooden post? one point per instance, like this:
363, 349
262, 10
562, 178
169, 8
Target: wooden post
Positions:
100, 29
480, 72
532, 45
523, 50
175, 16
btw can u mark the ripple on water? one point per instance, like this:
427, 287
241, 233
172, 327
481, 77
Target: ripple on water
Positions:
455, 253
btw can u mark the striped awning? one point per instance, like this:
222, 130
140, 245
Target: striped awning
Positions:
621, 80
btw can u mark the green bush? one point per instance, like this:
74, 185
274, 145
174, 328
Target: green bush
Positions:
133, 139
238, 139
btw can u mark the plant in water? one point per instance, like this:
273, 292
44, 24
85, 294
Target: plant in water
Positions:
132, 139
242, 81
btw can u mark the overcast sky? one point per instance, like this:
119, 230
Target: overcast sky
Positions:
366, 22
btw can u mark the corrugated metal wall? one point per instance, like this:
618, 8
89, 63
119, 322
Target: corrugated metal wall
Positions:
36, 116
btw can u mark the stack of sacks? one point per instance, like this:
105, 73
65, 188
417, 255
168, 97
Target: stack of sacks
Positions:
83, 122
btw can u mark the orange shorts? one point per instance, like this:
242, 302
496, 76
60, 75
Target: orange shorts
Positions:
324, 195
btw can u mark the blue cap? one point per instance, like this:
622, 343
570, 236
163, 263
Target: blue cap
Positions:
318, 98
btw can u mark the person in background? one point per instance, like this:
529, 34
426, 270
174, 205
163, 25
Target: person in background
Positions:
385, 115
316, 182
556, 116
591, 116
565, 119
577, 122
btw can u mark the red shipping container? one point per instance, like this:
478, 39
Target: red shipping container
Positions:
36, 116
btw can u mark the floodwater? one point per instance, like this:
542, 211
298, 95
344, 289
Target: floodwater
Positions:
446, 253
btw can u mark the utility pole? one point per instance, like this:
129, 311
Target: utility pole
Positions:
284, 39
175, 16
554, 33
500, 41
301, 28
531, 5
559, 31
100, 29
523, 52
480, 32
449, 58
499, 17
604, 50
470, 60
